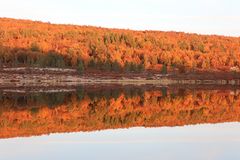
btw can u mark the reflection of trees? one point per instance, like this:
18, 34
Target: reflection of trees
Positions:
95, 109
33, 99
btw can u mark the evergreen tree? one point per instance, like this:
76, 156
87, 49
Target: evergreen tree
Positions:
80, 66
164, 69
140, 67
107, 65
115, 66
127, 67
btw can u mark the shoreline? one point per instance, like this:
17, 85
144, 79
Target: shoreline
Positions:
23, 76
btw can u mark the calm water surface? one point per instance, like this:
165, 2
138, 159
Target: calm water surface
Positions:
120, 122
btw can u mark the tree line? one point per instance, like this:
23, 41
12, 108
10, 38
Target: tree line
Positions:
35, 58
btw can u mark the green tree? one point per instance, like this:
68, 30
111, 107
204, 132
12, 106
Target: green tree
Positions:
52, 59
140, 67
92, 64
106, 65
164, 69
115, 66
127, 67
80, 66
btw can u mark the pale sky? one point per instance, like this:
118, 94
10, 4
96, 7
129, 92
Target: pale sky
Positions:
198, 16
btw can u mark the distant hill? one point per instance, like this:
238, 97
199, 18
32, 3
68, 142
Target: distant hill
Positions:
31, 43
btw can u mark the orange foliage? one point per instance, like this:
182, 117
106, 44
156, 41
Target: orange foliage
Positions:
151, 108
151, 48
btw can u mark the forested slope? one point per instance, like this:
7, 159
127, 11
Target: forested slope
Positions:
30, 43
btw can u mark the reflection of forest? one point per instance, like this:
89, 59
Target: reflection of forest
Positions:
90, 109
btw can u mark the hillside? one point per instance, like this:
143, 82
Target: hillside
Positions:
30, 43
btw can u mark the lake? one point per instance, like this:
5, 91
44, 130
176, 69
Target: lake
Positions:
120, 122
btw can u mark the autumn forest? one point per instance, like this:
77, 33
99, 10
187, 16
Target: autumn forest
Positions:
86, 48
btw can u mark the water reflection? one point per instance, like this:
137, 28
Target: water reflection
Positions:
91, 108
